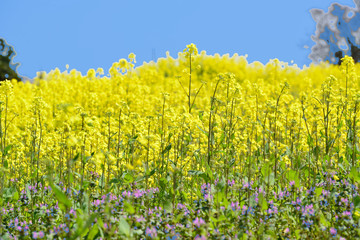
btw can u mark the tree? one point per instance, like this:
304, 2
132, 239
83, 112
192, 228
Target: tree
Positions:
337, 33
8, 69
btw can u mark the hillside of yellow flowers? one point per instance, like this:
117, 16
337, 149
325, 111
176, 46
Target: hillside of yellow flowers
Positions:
180, 114
195, 146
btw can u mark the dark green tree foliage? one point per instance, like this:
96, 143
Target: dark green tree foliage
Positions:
8, 69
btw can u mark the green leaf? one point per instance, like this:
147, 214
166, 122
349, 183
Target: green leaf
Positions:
152, 172
124, 227
168, 206
166, 150
100, 224
356, 202
102, 181
94, 230
132, 140
6, 164
221, 184
85, 227
265, 169
28, 194
7, 149
318, 191
203, 131
60, 196
270, 179
62, 207
293, 176
209, 172
147, 174
262, 202
324, 221
231, 162
163, 182
77, 174
87, 158
219, 196
79, 211
128, 207
195, 172
199, 174
354, 174
16, 196
76, 157
128, 178
114, 181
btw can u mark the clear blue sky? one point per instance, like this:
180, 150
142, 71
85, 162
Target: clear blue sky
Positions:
95, 33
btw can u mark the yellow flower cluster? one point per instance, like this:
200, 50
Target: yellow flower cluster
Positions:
139, 119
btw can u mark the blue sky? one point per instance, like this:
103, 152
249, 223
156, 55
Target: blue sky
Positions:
95, 33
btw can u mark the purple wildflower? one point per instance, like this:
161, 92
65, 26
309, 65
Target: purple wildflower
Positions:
333, 231
198, 222
151, 232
